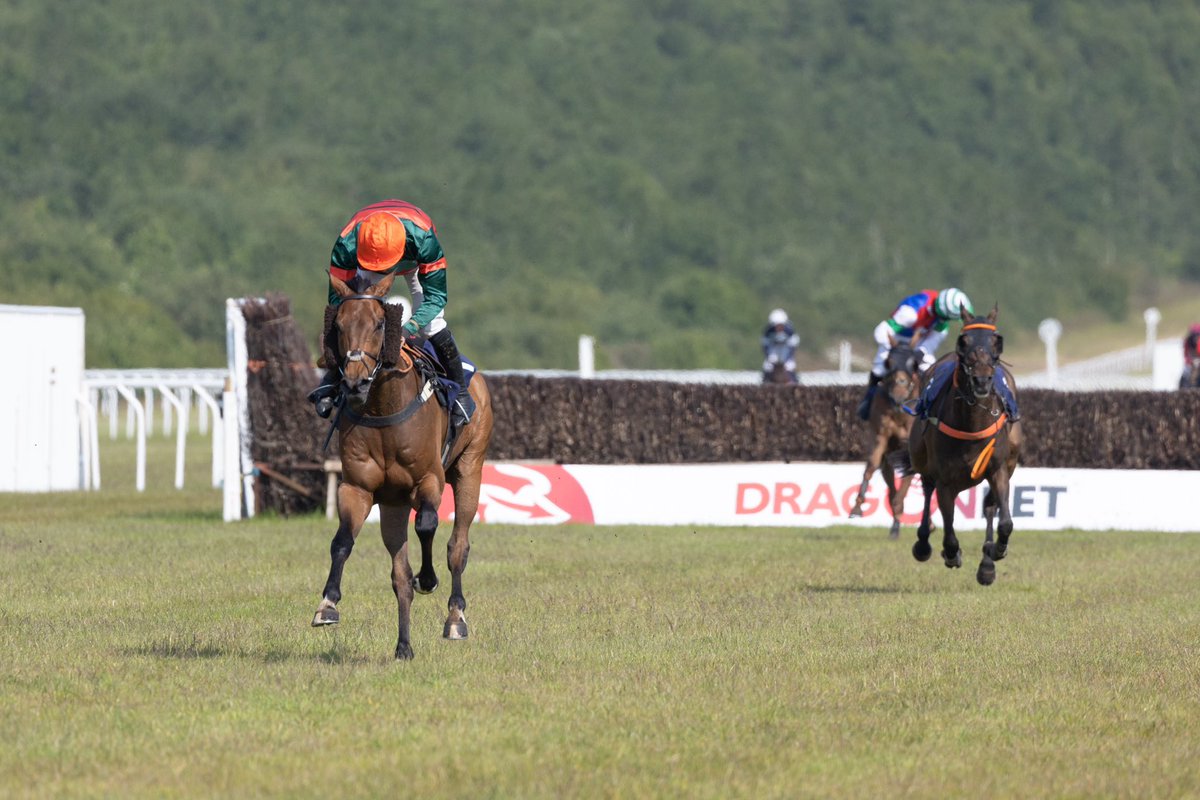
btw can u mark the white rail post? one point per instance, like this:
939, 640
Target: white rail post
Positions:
149, 419
1049, 330
171, 401
844, 358
206, 402
1152, 316
587, 356
140, 415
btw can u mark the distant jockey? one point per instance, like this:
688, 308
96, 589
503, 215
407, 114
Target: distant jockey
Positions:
779, 343
388, 237
1191, 346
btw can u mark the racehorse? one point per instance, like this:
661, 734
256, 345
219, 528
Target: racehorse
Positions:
888, 428
392, 443
1190, 378
967, 438
778, 354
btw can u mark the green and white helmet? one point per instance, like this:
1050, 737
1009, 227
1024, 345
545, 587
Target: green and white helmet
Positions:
949, 302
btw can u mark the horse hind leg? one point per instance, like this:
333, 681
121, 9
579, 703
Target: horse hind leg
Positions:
394, 529
465, 482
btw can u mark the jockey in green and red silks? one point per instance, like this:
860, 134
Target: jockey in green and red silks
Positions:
388, 237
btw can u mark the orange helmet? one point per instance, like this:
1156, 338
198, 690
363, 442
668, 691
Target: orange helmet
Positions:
381, 242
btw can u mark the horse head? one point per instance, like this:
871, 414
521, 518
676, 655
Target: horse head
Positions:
365, 340
978, 350
900, 379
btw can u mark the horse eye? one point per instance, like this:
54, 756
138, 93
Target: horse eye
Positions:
379, 325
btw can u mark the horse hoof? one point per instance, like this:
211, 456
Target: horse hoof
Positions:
987, 573
423, 589
922, 550
404, 652
894, 533
855, 513
326, 615
953, 562
455, 628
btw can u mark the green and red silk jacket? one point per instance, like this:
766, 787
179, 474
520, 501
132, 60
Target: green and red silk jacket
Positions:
422, 252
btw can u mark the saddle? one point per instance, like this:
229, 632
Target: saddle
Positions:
426, 361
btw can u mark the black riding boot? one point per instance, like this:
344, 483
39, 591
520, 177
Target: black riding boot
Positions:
864, 408
325, 396
447, 350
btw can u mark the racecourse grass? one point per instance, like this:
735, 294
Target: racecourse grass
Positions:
151, 650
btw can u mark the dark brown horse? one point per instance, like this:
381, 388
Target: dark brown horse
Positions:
967, 438
392, 442
1190, 377
888, 428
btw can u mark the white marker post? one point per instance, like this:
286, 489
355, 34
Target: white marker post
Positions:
1049, 330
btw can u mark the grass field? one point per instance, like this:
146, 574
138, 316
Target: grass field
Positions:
150, 650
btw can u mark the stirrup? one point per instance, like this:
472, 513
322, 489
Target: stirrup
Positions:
324, 407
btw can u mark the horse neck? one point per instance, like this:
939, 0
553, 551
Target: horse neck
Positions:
391, 391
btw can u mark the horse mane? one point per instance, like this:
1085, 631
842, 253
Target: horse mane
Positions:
329, 342
393, 334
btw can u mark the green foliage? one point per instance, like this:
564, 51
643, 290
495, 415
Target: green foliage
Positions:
658, 174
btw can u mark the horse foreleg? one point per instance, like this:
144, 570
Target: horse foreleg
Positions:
430, 497
1004, 529
986, 575
921, 549
353, 506
951, 552
393, 526
896, 495
874, 459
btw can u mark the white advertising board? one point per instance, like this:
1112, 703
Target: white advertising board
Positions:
818, 495
40, 448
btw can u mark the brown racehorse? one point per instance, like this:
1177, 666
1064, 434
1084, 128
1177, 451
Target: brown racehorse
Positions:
888, 428
392, 454
966, 439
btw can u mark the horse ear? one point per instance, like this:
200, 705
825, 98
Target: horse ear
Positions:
383, 287
963, 314
340, 287
995, 312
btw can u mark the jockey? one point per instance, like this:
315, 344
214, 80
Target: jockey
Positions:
1191, 347
388, 237
779, 342
920, 320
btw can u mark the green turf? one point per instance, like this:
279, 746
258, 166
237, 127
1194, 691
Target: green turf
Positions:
150, 650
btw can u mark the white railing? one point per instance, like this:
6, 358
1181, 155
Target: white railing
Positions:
107, 391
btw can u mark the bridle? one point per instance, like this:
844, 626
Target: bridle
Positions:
914, 388
992, 354
356, 356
